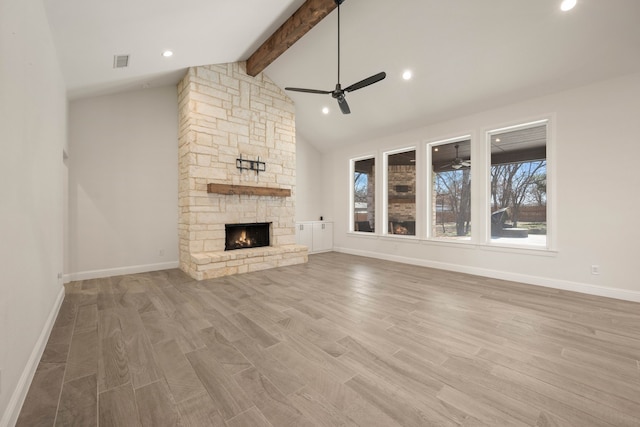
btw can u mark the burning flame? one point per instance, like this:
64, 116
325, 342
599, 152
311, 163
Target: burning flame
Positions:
242, 240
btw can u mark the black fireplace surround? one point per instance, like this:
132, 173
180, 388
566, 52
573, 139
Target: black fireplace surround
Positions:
244, 236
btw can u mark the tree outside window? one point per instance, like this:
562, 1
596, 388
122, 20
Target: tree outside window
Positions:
451, 195
364, 195
519, 185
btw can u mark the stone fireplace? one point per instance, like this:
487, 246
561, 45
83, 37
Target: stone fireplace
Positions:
226, 115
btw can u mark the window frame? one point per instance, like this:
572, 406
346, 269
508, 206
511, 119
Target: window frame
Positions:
352, 171
385, 191
548, 121
430, 188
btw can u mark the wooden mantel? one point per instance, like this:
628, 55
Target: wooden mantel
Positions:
247, 190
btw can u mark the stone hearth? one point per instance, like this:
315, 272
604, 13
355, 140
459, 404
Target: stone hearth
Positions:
224, 114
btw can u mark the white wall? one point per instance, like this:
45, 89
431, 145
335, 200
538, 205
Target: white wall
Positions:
595, 134
32, 136
309, 182
123, 183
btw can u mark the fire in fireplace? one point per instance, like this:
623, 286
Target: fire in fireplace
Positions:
242, 236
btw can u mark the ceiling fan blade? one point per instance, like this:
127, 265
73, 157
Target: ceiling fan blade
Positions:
344, 107
297, 89
466, 163
366, 82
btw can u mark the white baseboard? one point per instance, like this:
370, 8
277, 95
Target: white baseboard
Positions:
10, 417
119, 271
617, 293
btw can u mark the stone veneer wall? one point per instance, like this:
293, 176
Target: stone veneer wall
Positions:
225, 113
371, 196
402, 175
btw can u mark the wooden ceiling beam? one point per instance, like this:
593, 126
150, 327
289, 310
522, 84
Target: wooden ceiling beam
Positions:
298, 24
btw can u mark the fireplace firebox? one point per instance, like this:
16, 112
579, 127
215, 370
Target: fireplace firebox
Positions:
244, 236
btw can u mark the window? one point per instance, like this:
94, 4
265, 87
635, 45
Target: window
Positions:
401, 193
450, 189
518, 185
364, 186
510, 201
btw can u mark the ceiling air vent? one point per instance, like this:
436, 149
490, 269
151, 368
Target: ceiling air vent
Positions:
120, 61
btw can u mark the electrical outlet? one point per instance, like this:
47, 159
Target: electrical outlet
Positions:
595, 269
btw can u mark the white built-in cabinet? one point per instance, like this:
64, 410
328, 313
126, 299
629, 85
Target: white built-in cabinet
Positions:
304, 234
317, 235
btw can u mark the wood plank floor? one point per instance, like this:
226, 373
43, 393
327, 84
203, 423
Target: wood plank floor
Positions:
340, 341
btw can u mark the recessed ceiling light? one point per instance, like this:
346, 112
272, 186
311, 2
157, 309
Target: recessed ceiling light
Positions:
167, 53
497, 139
407, 75
325, 110
435, 149
567, 5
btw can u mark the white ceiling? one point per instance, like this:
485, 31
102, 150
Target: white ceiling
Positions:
466, 55
88, 33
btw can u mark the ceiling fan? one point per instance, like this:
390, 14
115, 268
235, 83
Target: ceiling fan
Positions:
338, 93
457, 163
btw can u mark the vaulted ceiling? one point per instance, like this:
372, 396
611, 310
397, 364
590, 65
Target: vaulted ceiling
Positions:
465, 55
